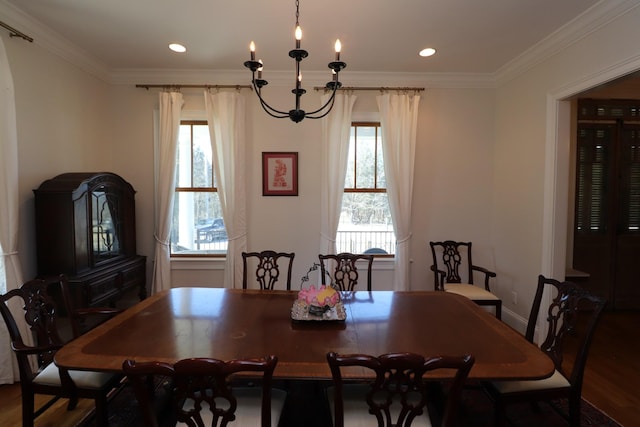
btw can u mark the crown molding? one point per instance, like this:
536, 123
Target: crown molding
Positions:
581, 26
52, 41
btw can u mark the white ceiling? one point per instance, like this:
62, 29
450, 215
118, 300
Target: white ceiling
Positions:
471, 36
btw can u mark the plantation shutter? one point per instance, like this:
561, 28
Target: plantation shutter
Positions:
592, 174
630, 180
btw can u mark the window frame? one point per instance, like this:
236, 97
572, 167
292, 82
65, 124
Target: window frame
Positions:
212, 189
378, 151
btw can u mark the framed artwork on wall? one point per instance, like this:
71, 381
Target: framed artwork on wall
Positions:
279, 173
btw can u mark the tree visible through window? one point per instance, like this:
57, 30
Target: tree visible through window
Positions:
365, 220
197, 227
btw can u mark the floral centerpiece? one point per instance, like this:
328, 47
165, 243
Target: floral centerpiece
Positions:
320, 302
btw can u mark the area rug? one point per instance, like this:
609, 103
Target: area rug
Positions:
307, 407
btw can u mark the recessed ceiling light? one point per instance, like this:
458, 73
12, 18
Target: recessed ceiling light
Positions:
427, 52
176, 47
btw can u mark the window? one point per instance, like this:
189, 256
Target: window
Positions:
197, 227
365, 221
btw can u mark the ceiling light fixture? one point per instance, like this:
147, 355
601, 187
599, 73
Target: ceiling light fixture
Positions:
176, 47
427, 52
297, 114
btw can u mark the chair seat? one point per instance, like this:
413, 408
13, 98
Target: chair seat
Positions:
82, 379
249, 408
356, 408
470, 291
555, 381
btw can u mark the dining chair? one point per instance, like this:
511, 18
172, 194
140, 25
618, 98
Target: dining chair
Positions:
570, 323
399, 395
267, 268
449, 258
343, 271
34, 300
203, 392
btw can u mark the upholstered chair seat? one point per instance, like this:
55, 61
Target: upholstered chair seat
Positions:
470, 291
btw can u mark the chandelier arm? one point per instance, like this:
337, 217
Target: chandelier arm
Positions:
330, 107
268, 108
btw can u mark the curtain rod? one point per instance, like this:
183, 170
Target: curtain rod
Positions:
15, 33
381, 88
170, 86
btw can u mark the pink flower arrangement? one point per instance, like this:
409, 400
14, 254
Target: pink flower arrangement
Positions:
322, 296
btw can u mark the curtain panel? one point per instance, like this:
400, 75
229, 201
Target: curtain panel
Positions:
10, 268
226, 120
398, 121
336, 128
169, 126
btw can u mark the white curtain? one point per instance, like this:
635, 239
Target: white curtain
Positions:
226, 119
398, 120
169, 126
10, 269
336, 127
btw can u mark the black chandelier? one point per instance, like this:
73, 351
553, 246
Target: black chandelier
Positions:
297, 114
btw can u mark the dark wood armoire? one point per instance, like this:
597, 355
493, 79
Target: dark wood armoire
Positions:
86, 229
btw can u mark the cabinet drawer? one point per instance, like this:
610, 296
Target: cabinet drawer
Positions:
103, 289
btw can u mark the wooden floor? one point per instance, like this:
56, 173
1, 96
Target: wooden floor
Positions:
612, 375
612, 379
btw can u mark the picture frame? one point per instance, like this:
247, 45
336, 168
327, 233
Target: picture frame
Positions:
279, 173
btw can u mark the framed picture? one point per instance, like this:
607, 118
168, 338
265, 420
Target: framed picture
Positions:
279, 174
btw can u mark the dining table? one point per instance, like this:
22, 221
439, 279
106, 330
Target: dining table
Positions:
227, 324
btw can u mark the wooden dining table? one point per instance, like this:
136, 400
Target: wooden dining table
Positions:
233, 323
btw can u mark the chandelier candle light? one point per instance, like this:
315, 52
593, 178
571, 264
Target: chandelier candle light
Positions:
297, 114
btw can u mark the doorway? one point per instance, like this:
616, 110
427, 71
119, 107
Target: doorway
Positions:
606, 233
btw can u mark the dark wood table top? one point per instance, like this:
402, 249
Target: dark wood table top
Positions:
232, 323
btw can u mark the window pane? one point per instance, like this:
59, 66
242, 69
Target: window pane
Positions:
202, 160
365, 223
365, 157
183, 160
197, 225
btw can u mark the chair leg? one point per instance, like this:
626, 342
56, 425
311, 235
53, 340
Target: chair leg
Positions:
73, 402
102, 414
27, 409
500, 414
574, 411
499, 310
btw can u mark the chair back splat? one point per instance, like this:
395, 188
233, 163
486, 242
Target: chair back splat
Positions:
268, 265
399, 396
343, 271
569, 325
203, 393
